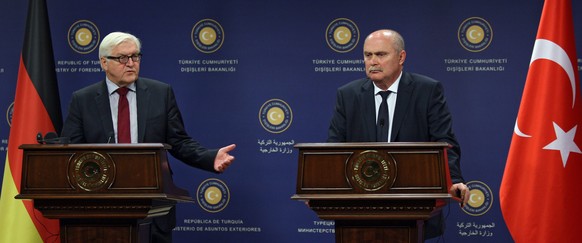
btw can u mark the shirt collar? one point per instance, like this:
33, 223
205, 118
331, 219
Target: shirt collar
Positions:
393, 88
112, 87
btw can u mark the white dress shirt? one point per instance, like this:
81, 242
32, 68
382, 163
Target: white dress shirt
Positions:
391, 100
131, 99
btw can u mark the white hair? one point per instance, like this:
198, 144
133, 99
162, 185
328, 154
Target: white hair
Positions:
113, 39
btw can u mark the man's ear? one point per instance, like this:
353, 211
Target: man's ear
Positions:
402, 57
103, 63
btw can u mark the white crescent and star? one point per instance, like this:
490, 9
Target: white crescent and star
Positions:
548, 50
519, 132
81, 36
471, 35
471, 198
564, 143
211, 195
338, 35
204, 35
271, 116
476, 199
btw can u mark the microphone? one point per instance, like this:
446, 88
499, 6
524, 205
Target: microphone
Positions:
39, 139
381, 122
51, 138
109, 137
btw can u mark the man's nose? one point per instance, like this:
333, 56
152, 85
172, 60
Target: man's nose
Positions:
130, 62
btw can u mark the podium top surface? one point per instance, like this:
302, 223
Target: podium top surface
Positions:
364, 145
99, 146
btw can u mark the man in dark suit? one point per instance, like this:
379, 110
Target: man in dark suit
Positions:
153, 115
415, 109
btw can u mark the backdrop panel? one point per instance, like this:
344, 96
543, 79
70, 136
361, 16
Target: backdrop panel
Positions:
263, 74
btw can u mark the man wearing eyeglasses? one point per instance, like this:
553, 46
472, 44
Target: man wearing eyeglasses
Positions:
126, 108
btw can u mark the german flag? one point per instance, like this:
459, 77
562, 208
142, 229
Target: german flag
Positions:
37, 108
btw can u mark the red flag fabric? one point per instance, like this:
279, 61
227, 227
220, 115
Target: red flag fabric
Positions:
37, 108
540, 192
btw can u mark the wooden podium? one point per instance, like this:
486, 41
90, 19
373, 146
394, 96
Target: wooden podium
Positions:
375, 192
100, 192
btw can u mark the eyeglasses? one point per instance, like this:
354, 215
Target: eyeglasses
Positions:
124, 59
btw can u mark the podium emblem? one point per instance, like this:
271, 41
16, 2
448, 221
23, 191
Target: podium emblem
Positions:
372, 171
91, 171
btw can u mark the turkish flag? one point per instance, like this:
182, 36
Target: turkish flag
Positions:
541, 189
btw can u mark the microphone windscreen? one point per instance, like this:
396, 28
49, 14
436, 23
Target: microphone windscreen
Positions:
50, 135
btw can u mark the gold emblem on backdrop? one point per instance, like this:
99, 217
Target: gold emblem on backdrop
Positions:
83, 36
275, 116
207, 36
213, 195
9, 113
342, 35
475, 34
481, 199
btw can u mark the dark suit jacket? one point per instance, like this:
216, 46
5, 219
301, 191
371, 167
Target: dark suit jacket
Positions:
159, 121
421, 115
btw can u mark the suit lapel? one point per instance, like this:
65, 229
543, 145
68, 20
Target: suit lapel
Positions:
102, 101
143, 103
369, 112
405, 90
